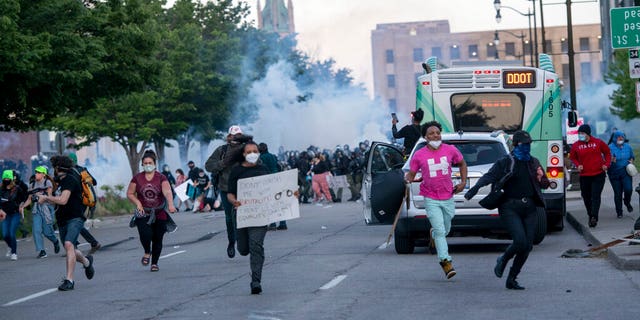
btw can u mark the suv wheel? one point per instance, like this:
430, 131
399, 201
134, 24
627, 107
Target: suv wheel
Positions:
541, 228
404, 245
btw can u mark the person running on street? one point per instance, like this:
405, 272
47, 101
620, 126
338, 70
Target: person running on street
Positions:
592, 157
10, 209
621, 182
435, 161
150, 193
69, 216
522, 198
95, 245
42, 213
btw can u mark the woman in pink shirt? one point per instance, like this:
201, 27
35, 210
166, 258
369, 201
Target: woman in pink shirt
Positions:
435, 161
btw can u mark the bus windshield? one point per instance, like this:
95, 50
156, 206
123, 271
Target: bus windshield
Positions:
487, 111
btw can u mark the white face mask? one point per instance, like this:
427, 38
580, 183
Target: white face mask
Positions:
620, 142
252, 157
435, 143
148, 168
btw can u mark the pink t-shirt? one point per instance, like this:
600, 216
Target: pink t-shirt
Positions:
436, 170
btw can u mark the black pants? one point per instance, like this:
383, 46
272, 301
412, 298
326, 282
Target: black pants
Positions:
251, 241
89, 237
151, 237
591, 190
519, 219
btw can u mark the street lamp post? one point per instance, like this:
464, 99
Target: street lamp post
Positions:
528, 15
496, 41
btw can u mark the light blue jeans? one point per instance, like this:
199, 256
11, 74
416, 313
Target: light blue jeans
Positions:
40, 227
440, 213
9, 229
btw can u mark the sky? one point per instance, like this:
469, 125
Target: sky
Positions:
341, 29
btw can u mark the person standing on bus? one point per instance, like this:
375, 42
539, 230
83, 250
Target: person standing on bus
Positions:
592, 157
621, 156
522, 198
410, 132
435, 161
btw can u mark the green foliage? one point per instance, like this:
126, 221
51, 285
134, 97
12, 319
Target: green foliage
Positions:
623, 99
113, 203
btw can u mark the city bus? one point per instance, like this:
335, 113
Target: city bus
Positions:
493, 98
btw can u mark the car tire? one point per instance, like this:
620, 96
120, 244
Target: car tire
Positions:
404, 245
541, 226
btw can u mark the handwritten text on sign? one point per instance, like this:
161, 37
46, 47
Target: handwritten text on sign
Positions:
266, 199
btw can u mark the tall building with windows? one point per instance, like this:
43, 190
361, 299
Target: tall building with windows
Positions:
398, 50
276, 17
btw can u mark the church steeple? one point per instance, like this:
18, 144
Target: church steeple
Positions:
276, 17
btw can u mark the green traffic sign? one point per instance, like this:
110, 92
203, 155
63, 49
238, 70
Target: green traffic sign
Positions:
625, 27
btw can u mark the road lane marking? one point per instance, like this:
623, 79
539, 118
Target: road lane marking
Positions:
172, 254
384, 245
27, 298
334, 282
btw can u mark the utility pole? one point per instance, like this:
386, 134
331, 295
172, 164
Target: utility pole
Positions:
571, 54
544, 40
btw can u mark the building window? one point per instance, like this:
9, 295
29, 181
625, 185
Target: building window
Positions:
599, 43
584, 44
473, 51
454, 52
391, 81
548, 46
437, 52
510, 49
564, 45
565, 72
418, 55
491, 50
393, 105
389, 55
585, 72
527, 47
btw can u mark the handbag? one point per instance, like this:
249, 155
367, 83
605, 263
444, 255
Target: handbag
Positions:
494, 198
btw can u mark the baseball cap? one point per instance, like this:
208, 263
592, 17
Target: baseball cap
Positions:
7, 174
41, 169
235, 129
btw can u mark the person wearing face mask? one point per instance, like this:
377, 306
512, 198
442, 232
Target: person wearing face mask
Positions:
10, 209
150, 193
202, 185
592, 157
435, 161
250, 239
621, 182
522, 197
220, 163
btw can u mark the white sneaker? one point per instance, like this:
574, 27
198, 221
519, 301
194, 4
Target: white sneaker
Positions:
14, 257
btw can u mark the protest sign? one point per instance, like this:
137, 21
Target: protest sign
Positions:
266, 199
336, 182
181, 190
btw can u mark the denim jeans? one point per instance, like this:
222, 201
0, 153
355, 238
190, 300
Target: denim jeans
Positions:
520, 220
591, 190
621, 186
70, 230
9, 229
440, 214
40, 227
251, 241
229, 217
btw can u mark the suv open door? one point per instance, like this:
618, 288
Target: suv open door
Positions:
383, 186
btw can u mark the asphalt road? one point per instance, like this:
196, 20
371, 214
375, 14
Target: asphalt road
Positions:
328, 265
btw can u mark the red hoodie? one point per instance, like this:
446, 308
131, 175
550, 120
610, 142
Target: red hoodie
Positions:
591, 155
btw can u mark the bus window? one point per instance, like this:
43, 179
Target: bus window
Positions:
487, 111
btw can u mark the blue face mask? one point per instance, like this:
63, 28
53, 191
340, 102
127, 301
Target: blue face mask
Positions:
522, 152
582, 137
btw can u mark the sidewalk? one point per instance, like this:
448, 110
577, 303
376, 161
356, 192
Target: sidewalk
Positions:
622, 256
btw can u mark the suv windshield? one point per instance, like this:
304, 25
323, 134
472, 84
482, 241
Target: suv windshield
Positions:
476, 152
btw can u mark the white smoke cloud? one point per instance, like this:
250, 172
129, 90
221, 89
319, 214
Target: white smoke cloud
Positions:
330, 117
593, 104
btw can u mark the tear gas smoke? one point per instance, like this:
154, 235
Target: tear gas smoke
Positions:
593, 104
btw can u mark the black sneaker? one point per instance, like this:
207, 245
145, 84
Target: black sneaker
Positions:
66, 285
629, 207
231, 250
95, 248
256, 290
283, 227
593, 222
89, 271
56, 247
42, 254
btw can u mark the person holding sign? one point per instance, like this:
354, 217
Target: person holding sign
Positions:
251, 239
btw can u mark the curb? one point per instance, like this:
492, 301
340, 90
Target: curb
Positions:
614, 255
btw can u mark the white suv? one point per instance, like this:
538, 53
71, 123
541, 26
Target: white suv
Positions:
385, 193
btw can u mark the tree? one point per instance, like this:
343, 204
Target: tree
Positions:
623, 99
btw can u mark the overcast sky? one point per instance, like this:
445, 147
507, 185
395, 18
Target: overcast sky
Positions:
342, 28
